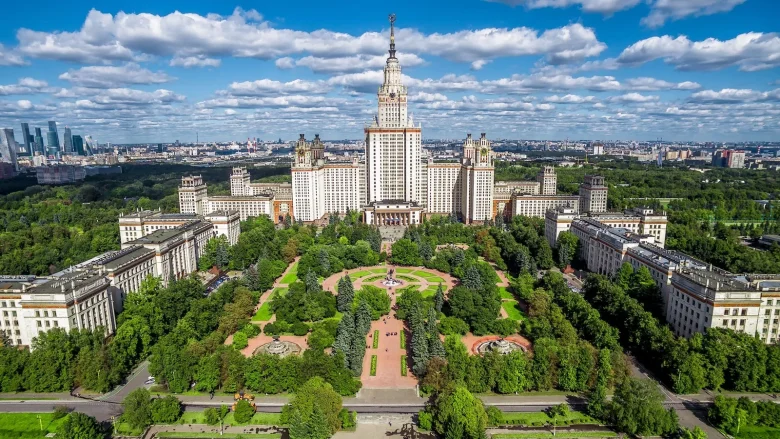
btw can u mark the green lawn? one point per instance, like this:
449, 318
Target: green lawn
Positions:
378, 270
373, 278
429, 292
375, 341
512, 310
404, 270
263, 314
291, 276
403, 365
359, 274
407, 278
193, 418
505, 294
183, 434
259, 418
27, 425
281, 291
539, 418
124, 429
561, 435
373, 365
430, 277
754, 432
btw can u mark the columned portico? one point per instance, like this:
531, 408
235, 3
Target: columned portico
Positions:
392, 213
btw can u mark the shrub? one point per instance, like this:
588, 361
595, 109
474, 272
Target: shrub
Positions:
453, 326
320, 339
251, 330
425, 420
373, 365
375, 341
240, 340
244, 412
348, 419
212, 416
299, 328
495, 417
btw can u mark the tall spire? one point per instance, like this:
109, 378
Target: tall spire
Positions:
392, 36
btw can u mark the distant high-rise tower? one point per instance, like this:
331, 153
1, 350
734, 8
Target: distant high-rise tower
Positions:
52, 137
78, 145
548, 181
8, 147
67, 141
593, 195
39, 147
26, 139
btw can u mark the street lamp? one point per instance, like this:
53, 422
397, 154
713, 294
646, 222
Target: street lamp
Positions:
40, 421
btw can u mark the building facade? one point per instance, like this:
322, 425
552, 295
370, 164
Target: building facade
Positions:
139, 224
593, 194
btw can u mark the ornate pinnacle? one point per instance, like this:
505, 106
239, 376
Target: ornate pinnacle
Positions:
392, 35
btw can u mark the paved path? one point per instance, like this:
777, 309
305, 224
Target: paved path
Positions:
266, 296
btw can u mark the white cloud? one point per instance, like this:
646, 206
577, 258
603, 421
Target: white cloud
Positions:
652, 84
749, 51
606, 7
285, 63
24, 104
194, 61
132, 37
24, 86
114, 76
535, 82
427, 97
268, 87
302, 101
10, 58
663, 10
731, 95
633, 98
478, 64
569, 99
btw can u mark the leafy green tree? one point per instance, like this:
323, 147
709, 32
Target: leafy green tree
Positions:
216, 253
346, 294
637, 409
438, 299
137, 409
459, 415
696, 433
524, 262
376, 298
453, 326
544, 256
406, 252
726, 414
567, 248
623, 276
166, 410
244, 412
240, 340
314, 396
212, 416
556, 412
81, 426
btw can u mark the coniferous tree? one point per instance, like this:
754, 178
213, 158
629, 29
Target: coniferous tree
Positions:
346, 294
252, 278
426, 251
420, 355
318, 424
430, 323
345, 334
438, 300
435, 346
471, 279
299, 428
312, 284
324, 260
363, 318
356, 353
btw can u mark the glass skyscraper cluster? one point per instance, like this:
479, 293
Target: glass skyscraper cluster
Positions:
31, 145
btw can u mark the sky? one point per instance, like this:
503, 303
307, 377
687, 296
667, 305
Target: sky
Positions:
160, 71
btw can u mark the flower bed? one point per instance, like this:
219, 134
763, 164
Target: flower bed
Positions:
373, 365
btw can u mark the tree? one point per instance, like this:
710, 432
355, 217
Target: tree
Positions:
166, 410
459, 415
244, 412
252, 278
311, 282
212, 416
80, 426
567, 248
299, 428
137, 409
346, 294
240, 340
345, 334
216, 253
558, 411
406, 252
363, 318
544, 256
623, 276
727, 415
637, 409
471, 279
315, 395
453, 326
438, 299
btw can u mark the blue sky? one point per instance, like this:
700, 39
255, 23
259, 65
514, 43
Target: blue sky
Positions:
146, 71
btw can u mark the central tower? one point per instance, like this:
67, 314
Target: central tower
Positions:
393, 143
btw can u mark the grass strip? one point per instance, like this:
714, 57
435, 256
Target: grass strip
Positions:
403, 365
375, 343
184, 434
403, 339
373, 365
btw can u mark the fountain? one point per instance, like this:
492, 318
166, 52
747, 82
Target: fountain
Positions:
279, 347
502, 346
391, 281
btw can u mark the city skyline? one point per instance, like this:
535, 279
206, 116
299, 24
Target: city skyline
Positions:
619, 69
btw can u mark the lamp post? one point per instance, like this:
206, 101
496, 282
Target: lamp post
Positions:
40, 421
